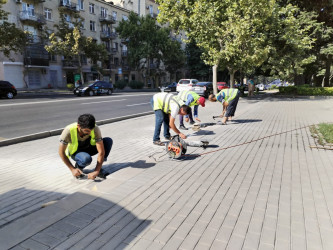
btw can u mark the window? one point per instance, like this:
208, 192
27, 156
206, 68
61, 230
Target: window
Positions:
151, 10
28, 9
52, 58
80, 3
91, 8
125, 18
116, 61
104, 12
92, 26
114, 15
115, 46
67, 18
48, 14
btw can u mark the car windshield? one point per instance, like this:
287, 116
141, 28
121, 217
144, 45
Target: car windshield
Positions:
202, 83
184, 81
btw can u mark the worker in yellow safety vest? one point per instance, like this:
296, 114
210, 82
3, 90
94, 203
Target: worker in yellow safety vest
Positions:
167, 107
81, 140
191, 99
229, 100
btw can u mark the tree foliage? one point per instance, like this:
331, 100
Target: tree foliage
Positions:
12, 39
196, 66
69, 42
241, 35
147, 42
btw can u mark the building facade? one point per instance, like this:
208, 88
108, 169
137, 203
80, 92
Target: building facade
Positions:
36, 68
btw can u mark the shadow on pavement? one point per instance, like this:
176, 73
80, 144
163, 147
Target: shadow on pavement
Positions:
63, 224
245, 121
111, 168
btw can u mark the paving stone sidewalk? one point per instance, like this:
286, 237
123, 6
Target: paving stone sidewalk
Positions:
258, 186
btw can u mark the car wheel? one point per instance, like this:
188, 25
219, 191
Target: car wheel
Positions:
10, 95
91, 93
109, 92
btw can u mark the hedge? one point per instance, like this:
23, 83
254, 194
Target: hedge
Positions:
306, 90
120, 84
136, 85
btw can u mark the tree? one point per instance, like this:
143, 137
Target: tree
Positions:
232, 34
149, 45
70, 43
12, 39
197, 68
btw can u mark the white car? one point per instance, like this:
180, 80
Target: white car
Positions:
260, 87
186, 84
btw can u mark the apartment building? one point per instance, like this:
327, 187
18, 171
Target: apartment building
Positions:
36, 68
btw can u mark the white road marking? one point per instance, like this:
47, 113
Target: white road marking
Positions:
105, 101
137, 104
70, 100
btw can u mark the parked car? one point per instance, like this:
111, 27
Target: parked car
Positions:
169, 88
7, 89
222, 85
203, 88
95, 88
260, 87
186, 84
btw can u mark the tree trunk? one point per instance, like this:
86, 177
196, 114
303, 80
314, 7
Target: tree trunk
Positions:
215, 79
328, 71
232, 77
80, 69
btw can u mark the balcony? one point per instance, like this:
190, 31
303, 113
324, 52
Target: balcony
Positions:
34, 39
72, 64
124, 53
36, 56
105, 35
32, 17
107, 19
66, 5
124, 40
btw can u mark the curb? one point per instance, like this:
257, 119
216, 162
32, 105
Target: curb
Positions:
54, 132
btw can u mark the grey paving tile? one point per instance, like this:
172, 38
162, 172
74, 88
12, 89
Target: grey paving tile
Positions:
32, 244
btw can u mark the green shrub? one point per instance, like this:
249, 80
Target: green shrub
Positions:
273, 86
315, 91
136, 85
288, 90
306, 90
70, 86
120, 84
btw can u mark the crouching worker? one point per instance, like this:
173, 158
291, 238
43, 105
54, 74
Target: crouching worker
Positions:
82, 140
167, 107
229, 100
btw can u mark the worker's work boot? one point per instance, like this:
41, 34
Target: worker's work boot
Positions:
183, 127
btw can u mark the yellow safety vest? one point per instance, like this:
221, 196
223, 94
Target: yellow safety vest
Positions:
229, 94
74, 144
184, 94
162, 101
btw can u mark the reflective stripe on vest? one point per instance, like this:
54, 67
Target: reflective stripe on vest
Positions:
229, 94
162, 102
74, 144
183, 95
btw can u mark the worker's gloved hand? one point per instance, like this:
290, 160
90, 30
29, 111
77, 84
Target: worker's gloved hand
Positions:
93, 175
182, 136
76, 172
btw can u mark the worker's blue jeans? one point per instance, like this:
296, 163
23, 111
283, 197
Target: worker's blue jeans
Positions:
181, 118
160, 118
83, 158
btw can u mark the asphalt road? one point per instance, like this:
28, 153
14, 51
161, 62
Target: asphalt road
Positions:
32, 113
